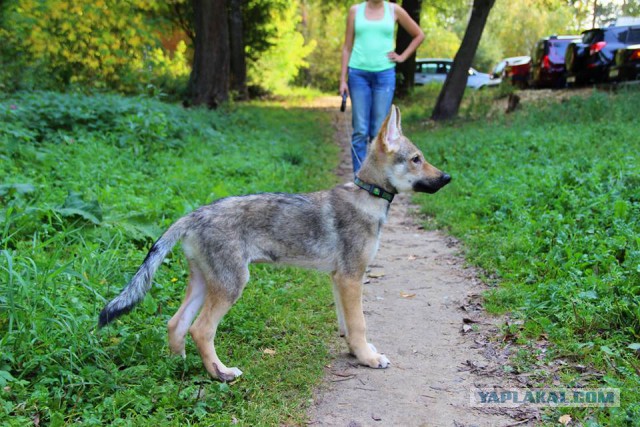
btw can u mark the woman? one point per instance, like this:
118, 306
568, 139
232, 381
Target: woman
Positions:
368, 74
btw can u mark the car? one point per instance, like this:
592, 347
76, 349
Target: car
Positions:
547, 61
626, 64
588, 60
431, 70
514, 70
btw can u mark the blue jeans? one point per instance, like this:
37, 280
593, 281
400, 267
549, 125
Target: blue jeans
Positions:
371, 96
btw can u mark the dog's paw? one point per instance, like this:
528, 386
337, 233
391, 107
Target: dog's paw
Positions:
225, 374
178, 350
372, 347
376, 360
383, 362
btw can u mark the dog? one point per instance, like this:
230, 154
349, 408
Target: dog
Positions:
336, 230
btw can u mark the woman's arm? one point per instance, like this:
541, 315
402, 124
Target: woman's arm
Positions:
347, 48
410, 27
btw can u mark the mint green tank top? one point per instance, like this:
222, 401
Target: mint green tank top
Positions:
373, 40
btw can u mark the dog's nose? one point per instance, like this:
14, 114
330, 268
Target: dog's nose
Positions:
446, 178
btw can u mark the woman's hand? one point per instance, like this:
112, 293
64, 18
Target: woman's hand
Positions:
344, 88
394, 57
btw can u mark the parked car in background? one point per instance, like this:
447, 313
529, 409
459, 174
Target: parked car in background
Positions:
547, 61
514, 70
589, 59
626, 64
436, 69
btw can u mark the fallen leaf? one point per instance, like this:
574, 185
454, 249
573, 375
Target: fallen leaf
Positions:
466, 328
376, 417
374, 274
412, 258
406, 295
269, 351
565, 419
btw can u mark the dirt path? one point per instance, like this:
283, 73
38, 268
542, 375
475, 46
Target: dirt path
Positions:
418, 294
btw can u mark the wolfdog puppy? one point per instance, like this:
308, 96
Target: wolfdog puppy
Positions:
336, 230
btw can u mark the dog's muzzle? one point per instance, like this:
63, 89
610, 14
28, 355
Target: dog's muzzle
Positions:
431, 185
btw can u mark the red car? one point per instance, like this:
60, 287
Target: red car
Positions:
547, 61
514, 70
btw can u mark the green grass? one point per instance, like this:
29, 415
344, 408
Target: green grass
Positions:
86, 185
548, 203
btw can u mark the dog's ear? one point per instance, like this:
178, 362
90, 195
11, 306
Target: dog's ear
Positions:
391, 131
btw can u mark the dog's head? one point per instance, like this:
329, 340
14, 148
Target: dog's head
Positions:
402, 164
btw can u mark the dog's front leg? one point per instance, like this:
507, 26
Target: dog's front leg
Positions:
342, 328
350, 293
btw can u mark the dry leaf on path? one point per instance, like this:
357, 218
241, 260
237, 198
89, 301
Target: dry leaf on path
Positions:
406, 295
374, 274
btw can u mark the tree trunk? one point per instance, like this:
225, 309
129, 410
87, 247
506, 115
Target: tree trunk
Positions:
209, 80
408, 68
236, 44
451, 94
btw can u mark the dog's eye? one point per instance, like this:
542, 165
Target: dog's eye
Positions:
416, 159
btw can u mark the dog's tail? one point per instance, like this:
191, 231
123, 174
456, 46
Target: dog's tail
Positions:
140, 284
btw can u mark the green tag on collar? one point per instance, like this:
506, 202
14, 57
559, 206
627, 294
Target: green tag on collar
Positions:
374, 190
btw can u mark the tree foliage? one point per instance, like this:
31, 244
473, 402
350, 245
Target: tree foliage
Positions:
324, 23
279, 64
98, 44
140, 44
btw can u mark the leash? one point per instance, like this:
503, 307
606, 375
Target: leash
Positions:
374, 190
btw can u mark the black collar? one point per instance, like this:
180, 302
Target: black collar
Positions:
374, 190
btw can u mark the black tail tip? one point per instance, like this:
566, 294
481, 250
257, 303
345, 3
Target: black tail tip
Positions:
109, 314
104, 319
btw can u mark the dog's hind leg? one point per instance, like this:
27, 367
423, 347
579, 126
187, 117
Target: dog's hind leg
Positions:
218, 301
350, 289
180, 322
